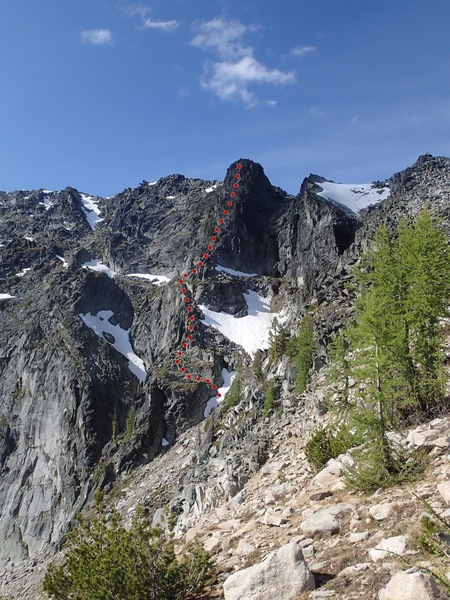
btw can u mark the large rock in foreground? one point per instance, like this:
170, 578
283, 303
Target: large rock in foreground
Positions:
283, 574
410, 586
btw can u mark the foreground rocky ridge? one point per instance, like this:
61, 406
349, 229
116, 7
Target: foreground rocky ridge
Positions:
67, 393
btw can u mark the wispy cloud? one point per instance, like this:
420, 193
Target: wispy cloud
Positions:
142, 12
137, 10
99, 37
302, 50
162, 25
237, 69
316, 111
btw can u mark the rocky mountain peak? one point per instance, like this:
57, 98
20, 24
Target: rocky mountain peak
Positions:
92, 316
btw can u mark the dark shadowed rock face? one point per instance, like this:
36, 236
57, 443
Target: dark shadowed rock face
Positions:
65, 258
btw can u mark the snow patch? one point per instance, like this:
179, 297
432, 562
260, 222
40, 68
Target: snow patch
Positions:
155, 279
47, 203
164, 443
96, 265
30, 239
91, 210
64, 261
152, 182
233, 272
353, 196
100, 324
214, 402
6, 296
250, 332
170, 197
23, 272
212, 188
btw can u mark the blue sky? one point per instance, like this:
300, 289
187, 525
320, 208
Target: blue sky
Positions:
101, 94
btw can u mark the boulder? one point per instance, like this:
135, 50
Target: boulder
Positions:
444, 490
324, 521
381, 511
388, 547
283, 575
410, 586
321, 523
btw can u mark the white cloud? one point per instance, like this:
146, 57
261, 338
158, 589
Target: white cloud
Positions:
237, 70
162, 25
99, 37
228, 79
142, 12
302, 50
222, 37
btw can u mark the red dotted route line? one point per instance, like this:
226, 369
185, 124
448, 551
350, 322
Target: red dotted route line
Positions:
181, 353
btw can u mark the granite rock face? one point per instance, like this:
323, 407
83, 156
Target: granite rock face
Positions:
75, 413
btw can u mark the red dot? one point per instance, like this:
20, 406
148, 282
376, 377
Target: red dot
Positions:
179, 353
191, 318
225, 212
205, 256
238, 176
229, 203
190, 309
190, 337
210, 247
214, 386
198, 378
177, 361
180, 281
235, 185
186, 299
239, 166
200, 264
185, 345
217, 230
207, 380
185, 275
194, 270
191, 328
219, 395
183, 290
233, 194
221, 221
183, 369
189, 376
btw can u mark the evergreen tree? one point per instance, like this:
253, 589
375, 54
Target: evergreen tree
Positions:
395, 342
425, 256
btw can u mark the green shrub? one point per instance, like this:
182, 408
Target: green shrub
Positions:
257, 367
105, 560
129, 428
329, 442
305, 351
371, 472
233, 396
269, 400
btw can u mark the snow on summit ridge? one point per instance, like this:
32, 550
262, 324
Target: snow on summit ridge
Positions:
354, 196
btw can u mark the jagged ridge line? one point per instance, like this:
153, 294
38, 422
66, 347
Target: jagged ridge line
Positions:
190, 322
